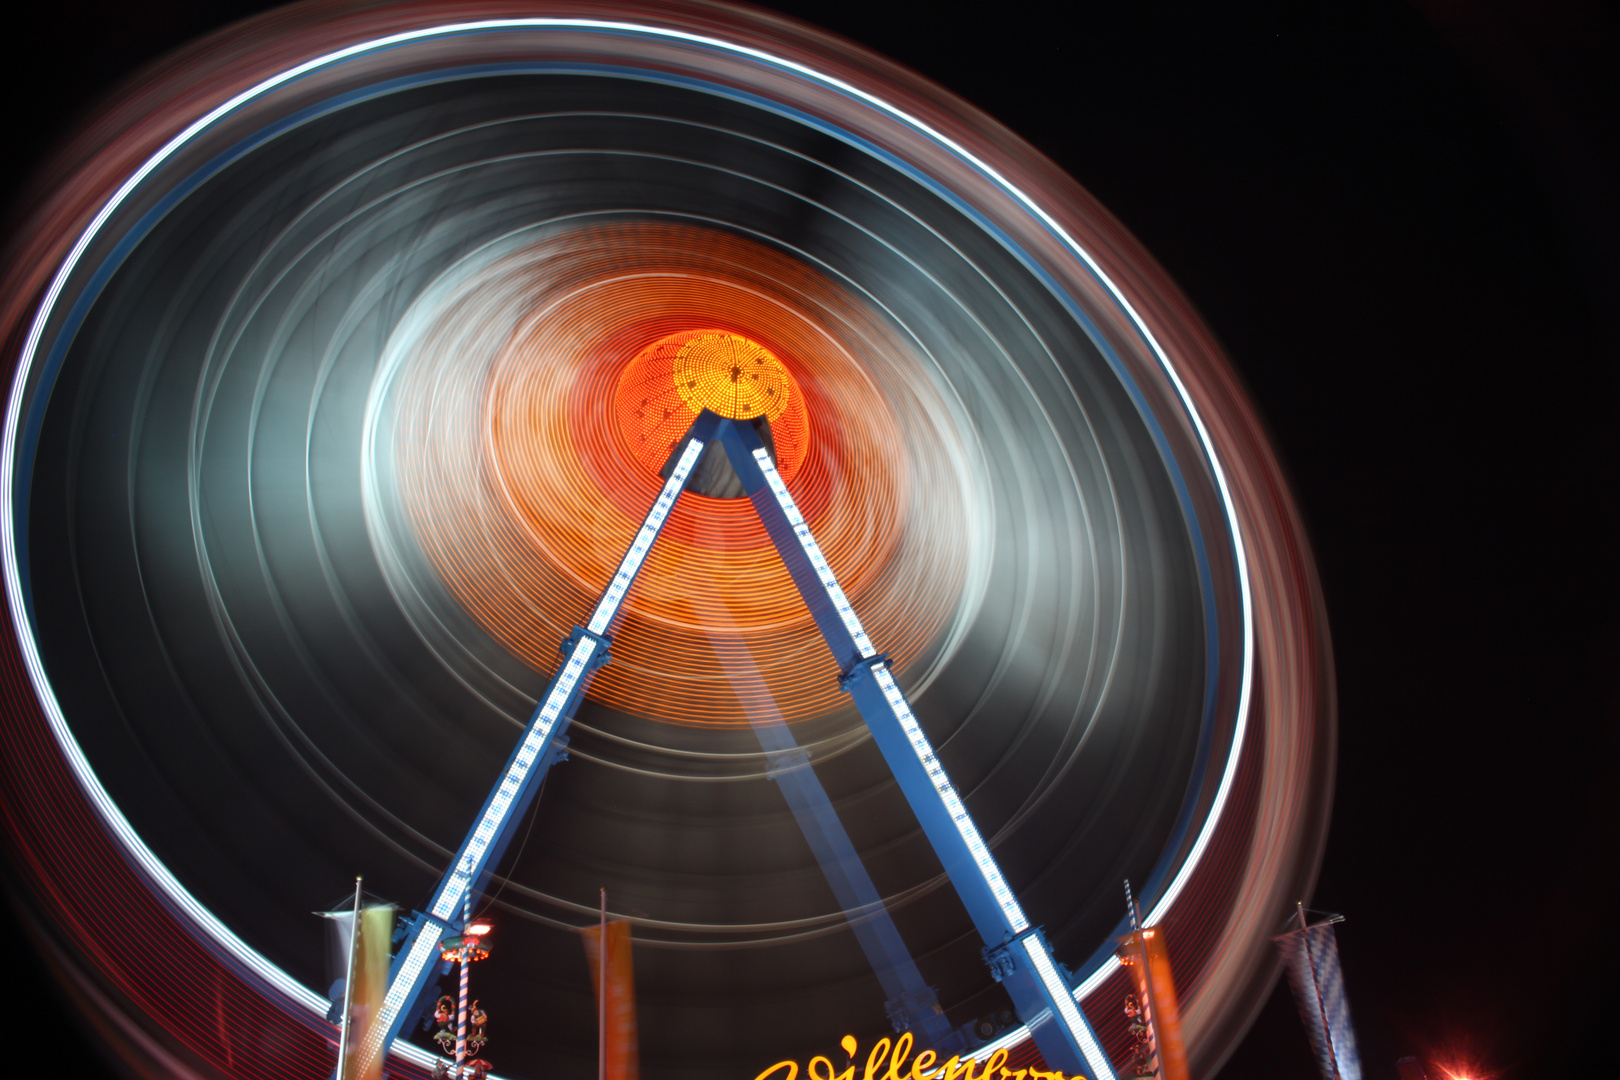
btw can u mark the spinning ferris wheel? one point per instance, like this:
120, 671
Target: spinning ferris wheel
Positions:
919, 570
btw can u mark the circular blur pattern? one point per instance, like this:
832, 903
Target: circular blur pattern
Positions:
501, 482
345, 364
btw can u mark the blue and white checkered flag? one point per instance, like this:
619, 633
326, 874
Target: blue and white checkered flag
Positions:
1311, 956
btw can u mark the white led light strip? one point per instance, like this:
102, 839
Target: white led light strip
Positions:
449, 899
644, 540
812, 550
1058, 991
422, 952
451, 895
1010, 908
74, 754
448, 902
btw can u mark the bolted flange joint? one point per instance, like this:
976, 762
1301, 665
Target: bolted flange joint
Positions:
861, 668
599, 655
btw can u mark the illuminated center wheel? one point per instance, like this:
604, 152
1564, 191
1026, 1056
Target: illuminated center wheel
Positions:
667, 383
732, 376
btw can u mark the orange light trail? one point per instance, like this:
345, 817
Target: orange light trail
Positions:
525, 485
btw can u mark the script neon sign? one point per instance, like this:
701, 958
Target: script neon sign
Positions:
887, 1061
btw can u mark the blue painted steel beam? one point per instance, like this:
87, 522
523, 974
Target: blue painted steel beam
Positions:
912, 1004
586, 649
1017, 952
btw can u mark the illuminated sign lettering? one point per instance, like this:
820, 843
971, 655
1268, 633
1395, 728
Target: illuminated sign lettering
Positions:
887, 1061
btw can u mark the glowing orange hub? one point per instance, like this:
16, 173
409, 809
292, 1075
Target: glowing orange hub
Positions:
525, 465
730, 375
669, 382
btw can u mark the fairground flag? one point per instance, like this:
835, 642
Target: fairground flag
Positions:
1311, 957
623, 1057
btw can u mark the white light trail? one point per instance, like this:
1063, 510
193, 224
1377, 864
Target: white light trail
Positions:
102, 801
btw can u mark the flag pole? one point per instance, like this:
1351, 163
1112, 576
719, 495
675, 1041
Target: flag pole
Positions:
348, 986
1152, 1002
601, 994
461, 1007
1321, 1008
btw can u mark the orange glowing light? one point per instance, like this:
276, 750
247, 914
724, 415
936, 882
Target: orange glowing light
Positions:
525, 479
732, 376
666, 384
479, 929
1464, 1070
464, 950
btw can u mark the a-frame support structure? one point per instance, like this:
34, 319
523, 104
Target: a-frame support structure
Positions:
1017, 952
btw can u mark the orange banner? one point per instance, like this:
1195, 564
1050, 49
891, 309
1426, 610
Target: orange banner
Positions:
1157, 991
371, 949
623, 1059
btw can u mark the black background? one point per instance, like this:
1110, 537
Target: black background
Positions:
1403, 221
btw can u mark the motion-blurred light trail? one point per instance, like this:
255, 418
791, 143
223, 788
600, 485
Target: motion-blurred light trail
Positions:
369, 446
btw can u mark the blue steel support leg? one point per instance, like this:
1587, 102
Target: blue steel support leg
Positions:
912, 1004
1017, 952
585, 650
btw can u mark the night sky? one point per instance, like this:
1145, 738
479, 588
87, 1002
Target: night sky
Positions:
1403, 221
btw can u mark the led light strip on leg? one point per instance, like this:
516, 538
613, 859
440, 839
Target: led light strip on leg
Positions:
423, 951
553, 712
609, 604
454, 891
982, 858
1010, 908
472, 857
562, 688
1052, 985
1063, 999
812, 551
